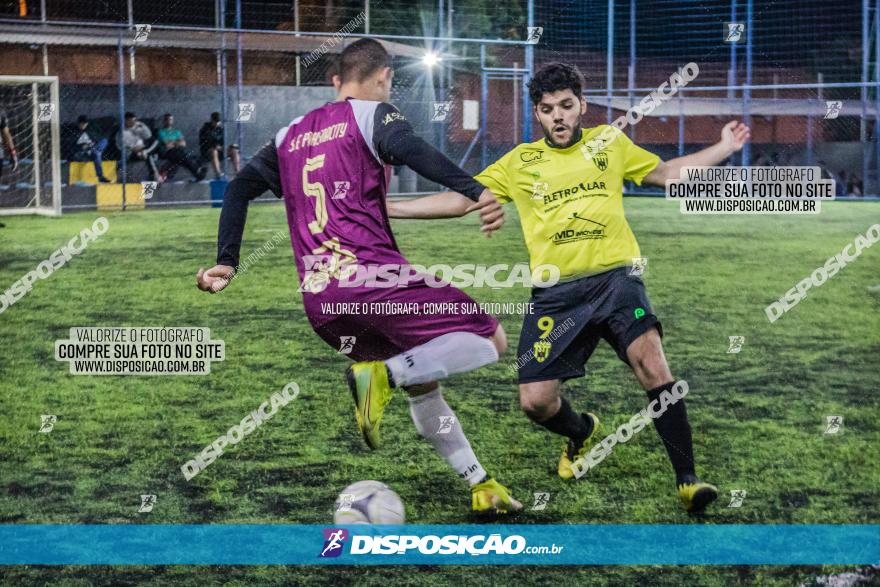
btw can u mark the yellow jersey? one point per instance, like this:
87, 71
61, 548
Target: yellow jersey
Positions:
570, 202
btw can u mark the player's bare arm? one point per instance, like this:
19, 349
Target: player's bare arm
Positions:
733, 136
451, 205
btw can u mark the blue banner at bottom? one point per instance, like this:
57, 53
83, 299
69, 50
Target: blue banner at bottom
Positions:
439, 545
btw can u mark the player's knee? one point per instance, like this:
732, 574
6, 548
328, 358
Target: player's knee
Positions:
651, 370
499, 339
537, 406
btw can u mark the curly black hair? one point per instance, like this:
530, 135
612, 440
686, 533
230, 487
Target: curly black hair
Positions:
554, 77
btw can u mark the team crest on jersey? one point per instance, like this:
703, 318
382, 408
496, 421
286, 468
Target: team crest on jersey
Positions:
542, 350
601, 160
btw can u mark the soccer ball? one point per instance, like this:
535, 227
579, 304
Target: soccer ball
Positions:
368, 502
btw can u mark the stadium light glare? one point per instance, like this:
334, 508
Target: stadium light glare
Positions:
431, 59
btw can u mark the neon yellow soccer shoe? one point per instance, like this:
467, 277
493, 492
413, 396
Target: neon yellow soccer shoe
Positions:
368, 382
572, 452
696, 495
490, 496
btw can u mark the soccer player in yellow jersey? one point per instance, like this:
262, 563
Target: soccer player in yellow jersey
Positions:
568, 189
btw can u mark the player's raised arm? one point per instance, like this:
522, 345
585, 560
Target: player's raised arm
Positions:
733, 136
396, 143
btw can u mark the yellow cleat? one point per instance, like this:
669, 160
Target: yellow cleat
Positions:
697, 495
571, 452
368, 382
490, 496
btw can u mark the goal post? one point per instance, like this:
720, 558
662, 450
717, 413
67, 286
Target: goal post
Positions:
30, 107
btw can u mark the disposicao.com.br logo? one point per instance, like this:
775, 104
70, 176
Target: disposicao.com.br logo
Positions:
334, 539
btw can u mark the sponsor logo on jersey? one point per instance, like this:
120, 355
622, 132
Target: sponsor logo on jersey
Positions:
581, 188
530, 158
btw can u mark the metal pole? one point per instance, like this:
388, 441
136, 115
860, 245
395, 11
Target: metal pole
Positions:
530, 66
367, 17
731, 74
297, 61
747, 93
223, 85
484, 114
609, 67
239, 73
131, 48
45, 48
123, 157
876, 104
680, 123
863, 123
631, 73
449, 11
56, 148
441, 78
810, 126
515, 105
35, 121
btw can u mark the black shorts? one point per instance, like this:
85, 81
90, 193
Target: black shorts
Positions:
261, 172
569, 319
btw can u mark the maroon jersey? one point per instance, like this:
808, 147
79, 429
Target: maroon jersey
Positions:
334, 183
334, 187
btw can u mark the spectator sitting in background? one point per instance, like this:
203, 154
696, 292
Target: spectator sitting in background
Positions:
136, 142
841, 183
211, 144
87, 149
173, 149
854, 186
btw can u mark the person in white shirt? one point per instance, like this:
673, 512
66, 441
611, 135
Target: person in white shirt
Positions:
136, 142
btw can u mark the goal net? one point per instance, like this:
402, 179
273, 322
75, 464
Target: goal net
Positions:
29, 111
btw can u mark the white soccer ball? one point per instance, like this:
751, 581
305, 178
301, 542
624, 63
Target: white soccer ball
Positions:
368, 502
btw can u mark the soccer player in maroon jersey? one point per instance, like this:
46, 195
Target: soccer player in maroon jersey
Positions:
332, 167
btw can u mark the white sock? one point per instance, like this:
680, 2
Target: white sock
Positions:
436, 421
455, 352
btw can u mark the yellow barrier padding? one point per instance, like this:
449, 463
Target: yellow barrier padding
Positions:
85, 171
109, 196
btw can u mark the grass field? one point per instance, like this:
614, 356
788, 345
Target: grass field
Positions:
758, 416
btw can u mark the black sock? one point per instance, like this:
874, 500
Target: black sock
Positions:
568, 423
675, 432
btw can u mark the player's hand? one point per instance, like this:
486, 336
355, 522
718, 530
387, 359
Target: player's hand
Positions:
14, 157
734, 135
214, 279
491, 212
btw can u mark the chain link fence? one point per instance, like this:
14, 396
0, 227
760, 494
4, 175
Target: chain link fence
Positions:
802, 73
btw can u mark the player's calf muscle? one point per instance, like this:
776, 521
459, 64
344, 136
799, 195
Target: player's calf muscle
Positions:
648, 362
499, 339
